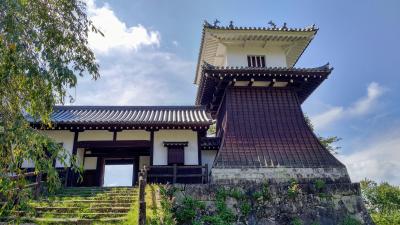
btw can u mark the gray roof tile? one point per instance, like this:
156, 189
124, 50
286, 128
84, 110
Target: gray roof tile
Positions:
130, 115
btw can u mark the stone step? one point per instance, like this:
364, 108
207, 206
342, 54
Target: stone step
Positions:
116, 198
96, 189
84, 201
67, 221
77, 209
107, 196
88, 194
91, 204
84, 215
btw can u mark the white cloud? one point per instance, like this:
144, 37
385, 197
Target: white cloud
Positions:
378, 160
117, 35
175, 43
129, 73
148, 78
360, 107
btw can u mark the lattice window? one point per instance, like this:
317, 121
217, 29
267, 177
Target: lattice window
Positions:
256, 61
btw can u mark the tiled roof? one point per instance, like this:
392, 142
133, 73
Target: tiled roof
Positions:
266, 128
311, 28
210, 143
304, 80
233, 69
130, 115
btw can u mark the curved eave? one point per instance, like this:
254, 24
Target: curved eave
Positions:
215, 79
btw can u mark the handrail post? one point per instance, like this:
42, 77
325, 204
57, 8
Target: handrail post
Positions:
174, 174
142, 202
38, 185
206, 173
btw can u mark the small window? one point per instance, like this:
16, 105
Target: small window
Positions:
176, 155
256, 61
176, 152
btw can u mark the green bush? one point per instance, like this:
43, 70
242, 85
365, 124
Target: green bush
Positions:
297, 221
293, 189
319, 185
186, 212
348, 220
382, 201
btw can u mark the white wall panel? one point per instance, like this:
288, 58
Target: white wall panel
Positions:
160, 152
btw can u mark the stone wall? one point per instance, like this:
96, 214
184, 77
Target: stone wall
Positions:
283, 203
278, 174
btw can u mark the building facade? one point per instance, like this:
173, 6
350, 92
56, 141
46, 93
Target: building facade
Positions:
248, 86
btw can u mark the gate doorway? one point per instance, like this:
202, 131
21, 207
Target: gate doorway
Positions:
119, 172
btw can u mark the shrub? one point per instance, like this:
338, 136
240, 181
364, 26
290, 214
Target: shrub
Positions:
319, 185
348, 220
297, 221
293, 189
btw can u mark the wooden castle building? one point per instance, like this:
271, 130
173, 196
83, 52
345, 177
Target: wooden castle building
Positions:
248, 86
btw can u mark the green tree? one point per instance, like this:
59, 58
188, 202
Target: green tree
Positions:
327, 142
382, 201
43, 48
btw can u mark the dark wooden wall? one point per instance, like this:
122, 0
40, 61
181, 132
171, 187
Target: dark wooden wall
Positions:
265, 127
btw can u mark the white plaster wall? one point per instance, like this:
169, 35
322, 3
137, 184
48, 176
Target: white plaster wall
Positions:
144, 161
60, 136
80, 155
237, 56
133, 135
160, 152
96, 135
28, 164
90, 163
207, 157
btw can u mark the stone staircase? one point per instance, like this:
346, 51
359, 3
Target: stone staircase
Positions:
85, 205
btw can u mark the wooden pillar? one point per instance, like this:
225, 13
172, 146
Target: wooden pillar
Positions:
199, 147
115, 136
38, 188
71, 176
142, 201
151, 146
174, 174
136, 168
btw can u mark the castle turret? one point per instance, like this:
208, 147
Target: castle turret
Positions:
247, 80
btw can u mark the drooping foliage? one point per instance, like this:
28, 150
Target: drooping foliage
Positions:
327, 142
43, 48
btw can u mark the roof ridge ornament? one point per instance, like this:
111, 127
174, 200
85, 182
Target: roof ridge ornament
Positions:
231, 24
216, 22
272, 24
207, 24
284, 27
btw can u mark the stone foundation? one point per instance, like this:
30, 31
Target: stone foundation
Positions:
312, 204
278, 175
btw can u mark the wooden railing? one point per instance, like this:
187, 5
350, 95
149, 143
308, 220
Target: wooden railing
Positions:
203, 172
142, 194
36, 186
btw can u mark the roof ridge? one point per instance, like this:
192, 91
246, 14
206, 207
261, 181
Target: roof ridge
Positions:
325, 67
132, 106
310, 28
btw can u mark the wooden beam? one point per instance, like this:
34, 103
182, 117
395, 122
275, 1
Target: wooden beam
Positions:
114, 144
151, 147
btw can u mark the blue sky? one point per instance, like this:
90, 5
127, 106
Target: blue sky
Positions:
150, 49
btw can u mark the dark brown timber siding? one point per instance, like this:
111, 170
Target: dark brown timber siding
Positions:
265, 127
